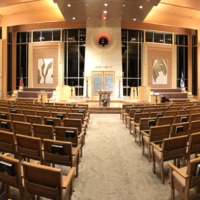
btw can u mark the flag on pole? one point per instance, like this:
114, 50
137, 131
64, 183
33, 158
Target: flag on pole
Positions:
21, 82
182, 82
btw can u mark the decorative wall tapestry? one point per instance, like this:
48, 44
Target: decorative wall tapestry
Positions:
159, 72
45, 71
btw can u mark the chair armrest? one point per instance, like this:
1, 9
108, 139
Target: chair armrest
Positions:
76, 150
173, 167
144, 133
68, 178
156, 146
81, 135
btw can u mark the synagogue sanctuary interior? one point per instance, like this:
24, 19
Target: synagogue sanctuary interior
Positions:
100, 99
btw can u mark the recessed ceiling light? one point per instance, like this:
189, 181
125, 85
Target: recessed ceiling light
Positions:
123, 5
105, 11
69, 5
134, 19
141, 7
105, 4
73, 18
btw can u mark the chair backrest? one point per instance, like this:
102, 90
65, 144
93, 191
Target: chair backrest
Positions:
23, 128
34, 119
174, 147
7, 142
182, 118
146, 123
43, 113
28, 111
184, 111
15, 110
138, 116
10, 173
58, 152
178, 129
194, 117
76, 116
43, 131
29, 147
195, 126
53, 121
76, 123
196, 110
158, 133
194, 143
60, 115
17, 117
68, 134
42, 180
165, 120
156, 114
170, 113
4, 115
6, 125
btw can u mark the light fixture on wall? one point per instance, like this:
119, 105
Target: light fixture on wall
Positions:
103, 41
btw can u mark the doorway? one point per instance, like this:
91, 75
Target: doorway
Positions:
103, 81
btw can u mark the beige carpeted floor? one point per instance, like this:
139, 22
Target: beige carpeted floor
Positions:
113, 167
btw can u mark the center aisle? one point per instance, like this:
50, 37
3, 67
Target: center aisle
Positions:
113, 167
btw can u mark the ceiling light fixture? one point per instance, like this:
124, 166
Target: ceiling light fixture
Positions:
134, 19
105, 11
69, 5
73, 18
105, 4
140, 7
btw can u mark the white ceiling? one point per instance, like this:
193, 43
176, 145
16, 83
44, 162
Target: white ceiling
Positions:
176, 13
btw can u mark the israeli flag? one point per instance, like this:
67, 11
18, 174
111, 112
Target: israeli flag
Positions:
182, 82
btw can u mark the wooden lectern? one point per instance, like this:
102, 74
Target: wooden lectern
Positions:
104, 93
42, 97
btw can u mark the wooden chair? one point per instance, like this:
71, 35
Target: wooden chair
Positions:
43, 131
34, 119
29, 147
135, 121
60, 115
15, 110
28, 111
70, 134
195, 126
53, 121
46, 181
61, 153
165, 120
185, 178
4, 115
170, 149
10, 174
193, 145
144, 124
6, 125
170, 113
184, 112
76, 123
79, 116
156, 133
23, 128
43, 113
178, 129
182, 118
194, 117
17, 117
157, 114
129, 117
7, 142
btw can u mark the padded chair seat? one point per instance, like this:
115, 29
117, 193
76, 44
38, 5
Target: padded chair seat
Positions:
179, 178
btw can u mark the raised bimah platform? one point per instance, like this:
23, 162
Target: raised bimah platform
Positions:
32, 93
173, 94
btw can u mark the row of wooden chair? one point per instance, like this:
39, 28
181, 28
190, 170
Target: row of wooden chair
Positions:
35, 180
162, 120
